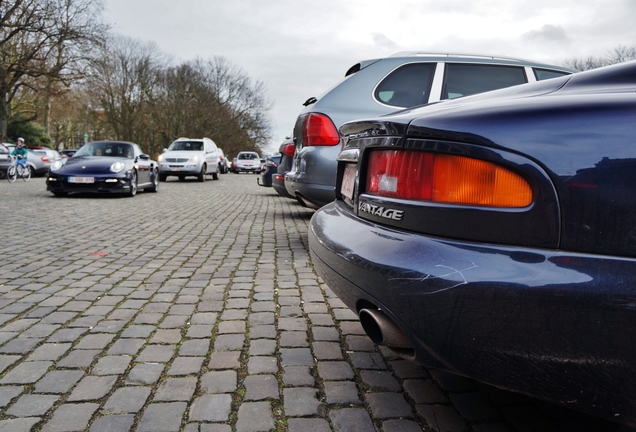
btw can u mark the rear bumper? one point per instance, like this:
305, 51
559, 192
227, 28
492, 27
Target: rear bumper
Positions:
553, 325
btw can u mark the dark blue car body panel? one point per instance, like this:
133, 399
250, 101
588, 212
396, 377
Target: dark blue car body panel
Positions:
538, 300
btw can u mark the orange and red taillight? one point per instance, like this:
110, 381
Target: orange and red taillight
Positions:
445, 178
319, 130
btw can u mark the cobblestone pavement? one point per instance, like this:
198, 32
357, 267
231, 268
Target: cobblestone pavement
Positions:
197, 309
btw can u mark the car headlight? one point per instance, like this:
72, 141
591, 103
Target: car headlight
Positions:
194, 159
56, 165
161, 158
117, 167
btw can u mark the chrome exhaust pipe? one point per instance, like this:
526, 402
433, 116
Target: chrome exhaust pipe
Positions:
382, 330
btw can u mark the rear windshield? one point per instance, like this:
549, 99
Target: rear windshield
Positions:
407, 86
186, 146
249, 156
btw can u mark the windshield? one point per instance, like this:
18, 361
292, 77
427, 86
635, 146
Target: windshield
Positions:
106, 149
249, 156
186, 146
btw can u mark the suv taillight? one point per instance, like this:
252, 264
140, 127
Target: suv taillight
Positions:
319, 130
288, 149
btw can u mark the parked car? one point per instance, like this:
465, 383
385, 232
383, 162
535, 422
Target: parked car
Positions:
495, 237
104, 167
287, 157
233, 166
268, 169
223, 165
5, 160
247, 161
39, 158
186, 157
381, 86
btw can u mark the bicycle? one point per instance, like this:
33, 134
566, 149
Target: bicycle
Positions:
17, 171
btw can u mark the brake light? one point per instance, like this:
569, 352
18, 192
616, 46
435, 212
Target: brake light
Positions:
288, 149
44, 159
319, 130
445, 178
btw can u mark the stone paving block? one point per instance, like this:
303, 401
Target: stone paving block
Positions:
260, 387
327, 350
138, 331
262, 365
301, 401
262, 347
176, 389
92, 388
316, 308
112, 423
20, 325
112, 365
20, 345
86, 321
296, 357
40, 330
71, 417
145, 374
401, 426
291, 311
127, 400
94, 341
166, 336
208, 318
255, 417
351, 420
211, 408
18, 424
219, 382
67, 335
404, 369
111, 325
335, 371
441, 418
186, 366
341, 392
58, 381
351, 328
26, 373
234, 315
292, 324
229, 342
261, 318
225, 360
388, 405
359, 343
308, 424
148, 318
162, 417
7, 393
156, 353
380, 380
200, 331
8, 360
293, 339
78, 359
6, 336
298, 376
30, 405
424, 391
126, 346
364, 360
226, 327
196, 347
325, 334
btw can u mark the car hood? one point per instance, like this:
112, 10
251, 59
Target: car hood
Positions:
91, 164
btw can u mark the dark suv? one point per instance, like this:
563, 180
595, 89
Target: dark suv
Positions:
380, 86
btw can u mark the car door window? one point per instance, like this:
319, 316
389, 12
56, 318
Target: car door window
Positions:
406, 86
468, 79
543, 74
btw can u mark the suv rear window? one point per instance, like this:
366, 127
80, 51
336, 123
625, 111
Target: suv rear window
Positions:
468, 79
407, 86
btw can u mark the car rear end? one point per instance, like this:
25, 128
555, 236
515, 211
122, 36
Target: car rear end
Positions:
287, 157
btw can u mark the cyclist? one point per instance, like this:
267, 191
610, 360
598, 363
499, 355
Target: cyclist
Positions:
21, 152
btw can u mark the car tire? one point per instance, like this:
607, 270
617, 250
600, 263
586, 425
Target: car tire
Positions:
215, 175
163, 177
133, 184
201, 176
154, 179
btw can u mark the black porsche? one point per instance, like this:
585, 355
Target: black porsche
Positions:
104, 167
495, 237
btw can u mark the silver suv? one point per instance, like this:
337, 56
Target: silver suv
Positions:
380, 86
190, 157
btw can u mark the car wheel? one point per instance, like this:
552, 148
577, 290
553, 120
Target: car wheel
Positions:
201, 176
215, 175
133, 184
32, 171
163, 177
154, 179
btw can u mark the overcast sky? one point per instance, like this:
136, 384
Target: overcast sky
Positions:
302, 48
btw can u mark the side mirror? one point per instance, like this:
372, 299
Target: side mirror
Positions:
164, 150
144, 156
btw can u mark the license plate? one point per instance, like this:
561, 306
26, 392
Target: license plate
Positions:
81, 179
348, 181
175, 169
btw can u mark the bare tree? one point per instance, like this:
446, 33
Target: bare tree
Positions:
43, 42
618, 55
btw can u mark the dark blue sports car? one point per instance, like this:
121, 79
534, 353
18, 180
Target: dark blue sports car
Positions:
495, 237
104, 167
